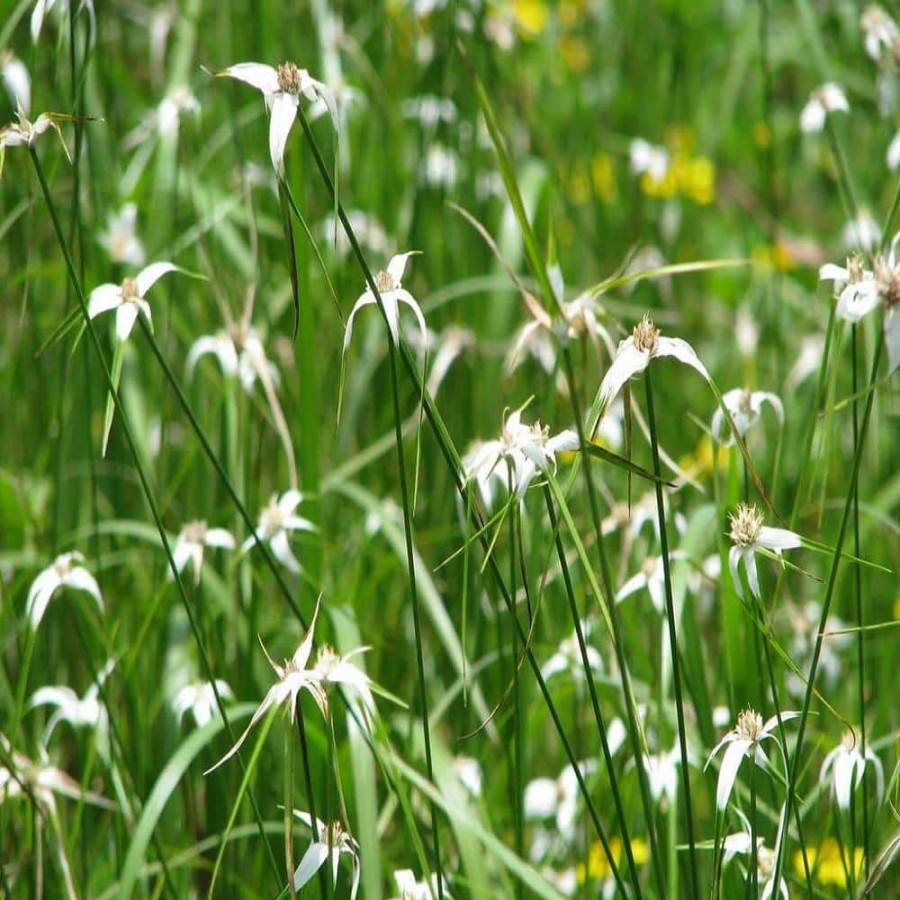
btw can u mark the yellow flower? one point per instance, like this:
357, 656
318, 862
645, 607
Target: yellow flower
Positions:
578, 184
531, 16
597, 868
680, 138
700, 462
575, 53
762, 135
826, 864
659, 188
604, 176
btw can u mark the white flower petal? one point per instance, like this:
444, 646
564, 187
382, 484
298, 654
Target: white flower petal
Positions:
281, 550
541, 798
289, 501
312, 861
397, 266
284, 111
682, 351
734, 557
103, 299
892, 339
365, 299
778, 539
219, 537
731, 762
126, 315
82, 580
627, 363
404, 296
264, 78
146, 278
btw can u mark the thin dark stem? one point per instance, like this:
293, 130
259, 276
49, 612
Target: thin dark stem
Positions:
673, 641
592, 690
829, 596
324, 882
411, 565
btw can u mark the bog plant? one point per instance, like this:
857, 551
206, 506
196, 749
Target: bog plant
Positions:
538, 629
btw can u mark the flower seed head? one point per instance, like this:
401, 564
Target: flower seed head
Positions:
848, 741
130, 290
749, 725
765, 861
384, 281
271, 519
887, 274
289, 78
745, 525
855, 268
195, 532
646, 335
326, 661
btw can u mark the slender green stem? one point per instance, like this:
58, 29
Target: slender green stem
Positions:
673, 640
518, 767
618, 642
324, 881
411, 565
857, 590
829, 596
592, 691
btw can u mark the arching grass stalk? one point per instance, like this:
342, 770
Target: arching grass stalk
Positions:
673, 640
592, 691
829, 596
618, 642
142, 477
452, 459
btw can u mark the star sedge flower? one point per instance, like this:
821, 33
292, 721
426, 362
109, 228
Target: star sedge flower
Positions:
745, 409
128, 298
635, 353
329, 841
748, 535
275, 521
844, 768
193, 538
281, 89
65, 571
392, 293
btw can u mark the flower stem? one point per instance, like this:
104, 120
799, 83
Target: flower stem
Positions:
673, 641
829, 596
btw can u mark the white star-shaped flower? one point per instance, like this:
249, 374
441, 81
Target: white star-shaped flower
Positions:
127, 298
200, 700
826, 99
410, 889
546, 797
845, 766
745, 409
193, 539
275, 521
329, 840
24, 133
120, 239
390, 287
855, 287
282, 88
744, 740
239, 351
634, 354
293, 677
65, 571
748, 535
645, 157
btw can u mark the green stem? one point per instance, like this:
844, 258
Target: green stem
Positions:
829, 596
673, 641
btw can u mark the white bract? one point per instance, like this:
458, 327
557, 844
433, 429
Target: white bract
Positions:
16, 80
862, 233
293, 677
568, 659
880, 32
892, 157
741, 843
239, 351
410, 889
392, 293
744, 740
887, 277
127, 298
328, 840
745, 409
748, 534
546, 797
649, 158
844, 768
120, 240
199, 699
192, 539
330, 670
526, 450
662, 775
282, 88
80, 712
275, 521
634, 354
652, 577
823, 100
65, 571
42, 7
855, 287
